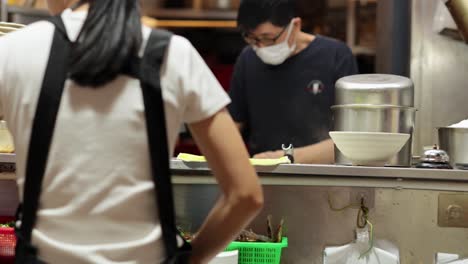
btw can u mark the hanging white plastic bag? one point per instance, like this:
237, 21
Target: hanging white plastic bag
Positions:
362, 251
445, 258
350, 253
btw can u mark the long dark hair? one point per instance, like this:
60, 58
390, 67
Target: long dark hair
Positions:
111, 36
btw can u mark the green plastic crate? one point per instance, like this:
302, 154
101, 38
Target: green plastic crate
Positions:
259, 252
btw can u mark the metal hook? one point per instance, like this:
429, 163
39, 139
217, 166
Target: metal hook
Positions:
362, 222
288, 151
363, 215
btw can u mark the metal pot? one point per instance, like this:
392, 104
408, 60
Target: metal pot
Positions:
376, 118
375, 89
455, 142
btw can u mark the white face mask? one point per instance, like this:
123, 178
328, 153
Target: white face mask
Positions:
276, 54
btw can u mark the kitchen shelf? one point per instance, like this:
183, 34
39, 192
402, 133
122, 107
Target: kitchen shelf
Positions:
365, 2
190, 14
158, 13
152, 22
352, 28
362, 50
164, 18
27, 11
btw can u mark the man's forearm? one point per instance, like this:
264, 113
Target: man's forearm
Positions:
320, 153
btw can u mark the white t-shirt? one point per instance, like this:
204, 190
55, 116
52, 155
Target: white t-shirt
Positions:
97, 203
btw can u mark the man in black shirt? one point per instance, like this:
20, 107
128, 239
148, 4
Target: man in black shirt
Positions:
283, 83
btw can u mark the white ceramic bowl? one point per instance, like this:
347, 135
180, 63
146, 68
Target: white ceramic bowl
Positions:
369, 148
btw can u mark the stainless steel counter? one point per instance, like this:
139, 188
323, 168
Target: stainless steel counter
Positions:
335, 170
304, 174
332, 175
7, 158
7, 164
320, 175
406, 206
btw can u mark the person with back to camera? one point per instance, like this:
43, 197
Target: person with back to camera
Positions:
97, 201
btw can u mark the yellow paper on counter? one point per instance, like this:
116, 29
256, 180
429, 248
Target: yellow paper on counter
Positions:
256, 162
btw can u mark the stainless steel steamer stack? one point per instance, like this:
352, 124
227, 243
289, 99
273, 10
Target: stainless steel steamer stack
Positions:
375, 103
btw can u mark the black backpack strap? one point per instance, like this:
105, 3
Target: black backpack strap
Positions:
157, 136
60, 26
43, 128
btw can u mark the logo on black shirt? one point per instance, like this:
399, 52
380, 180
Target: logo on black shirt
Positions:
315, 87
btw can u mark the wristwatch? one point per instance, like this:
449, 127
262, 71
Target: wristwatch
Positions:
288, 151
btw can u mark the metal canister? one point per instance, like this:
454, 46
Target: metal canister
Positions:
375, 103
375, 89
454, 140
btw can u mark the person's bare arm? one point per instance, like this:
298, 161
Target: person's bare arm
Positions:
241, 192
320, 153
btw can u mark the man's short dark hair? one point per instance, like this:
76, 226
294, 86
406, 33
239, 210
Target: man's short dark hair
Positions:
253, 13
